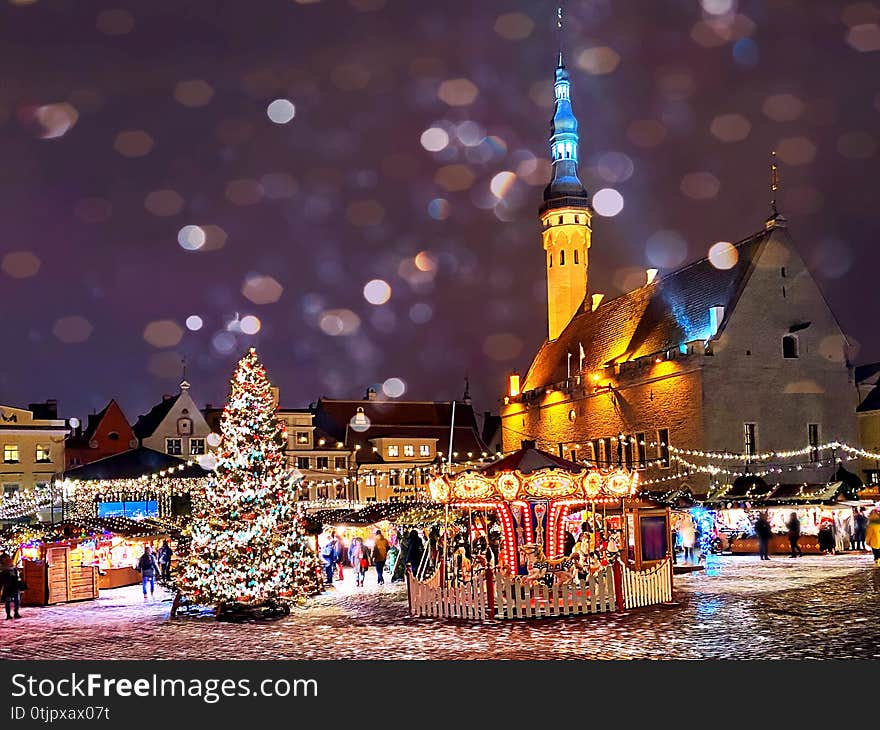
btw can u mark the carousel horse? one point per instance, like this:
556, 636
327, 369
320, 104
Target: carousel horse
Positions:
542, 569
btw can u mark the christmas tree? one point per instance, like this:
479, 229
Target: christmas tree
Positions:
248, 541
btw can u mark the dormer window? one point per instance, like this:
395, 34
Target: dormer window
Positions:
360, 418
393, 450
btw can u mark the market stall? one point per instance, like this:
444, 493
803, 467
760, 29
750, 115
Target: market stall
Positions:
572, 540
819, 508
71, 561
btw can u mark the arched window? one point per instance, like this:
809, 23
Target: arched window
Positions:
576, 256
562, 258
790, 347
550, 259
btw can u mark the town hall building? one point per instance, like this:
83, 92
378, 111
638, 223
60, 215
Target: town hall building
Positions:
736, 353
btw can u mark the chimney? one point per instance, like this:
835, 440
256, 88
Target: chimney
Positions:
595, 301
650, 275
371, 394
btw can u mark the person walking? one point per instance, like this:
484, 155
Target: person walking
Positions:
328, 557
380, 555
794, 532
687, 533
359, 559
341, 555
414, 552
860, 526
164, 557
763, 531
872, 536
10, 586
148, 569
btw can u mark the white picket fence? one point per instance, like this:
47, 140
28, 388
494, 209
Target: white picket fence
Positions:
515, 599
647, 587
495, 595
459, 600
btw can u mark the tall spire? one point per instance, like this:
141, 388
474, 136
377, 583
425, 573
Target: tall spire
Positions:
565, 187
776, 219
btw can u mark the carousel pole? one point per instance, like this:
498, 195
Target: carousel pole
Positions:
446, 511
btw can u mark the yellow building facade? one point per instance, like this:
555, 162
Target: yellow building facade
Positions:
32, 449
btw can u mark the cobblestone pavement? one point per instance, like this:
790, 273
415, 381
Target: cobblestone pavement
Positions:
812, 607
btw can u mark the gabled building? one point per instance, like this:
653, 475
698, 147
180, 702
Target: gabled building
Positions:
393, 444
31, 446
175, 426
105, 434
737, 352
868, 412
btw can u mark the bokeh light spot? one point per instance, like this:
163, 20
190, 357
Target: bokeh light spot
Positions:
666, 249
377, 291
607, 202
700, 185
133, 143
194, 323
458, 92
339, 322
193, 93
394, 387
281, 111
164, 203
114, 22
191, 237
435, 139
163, 333
514, 26
250, 324
73, 329
262, 289
20, 264
730, 127
723, 255
599, 60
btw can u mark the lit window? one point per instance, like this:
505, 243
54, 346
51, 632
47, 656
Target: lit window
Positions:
174, 447
409, 450
322, 462
340, 462
790, 347
576, 256
393, 450
302, 438
197, 447
42, 455
10, 453
424, 450
663, 447
394, 479
302, 462
813, 440
9, 489
750, 438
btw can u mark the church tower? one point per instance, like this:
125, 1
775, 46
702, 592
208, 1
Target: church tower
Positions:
565, 215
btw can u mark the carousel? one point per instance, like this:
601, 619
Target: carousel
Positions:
545, 536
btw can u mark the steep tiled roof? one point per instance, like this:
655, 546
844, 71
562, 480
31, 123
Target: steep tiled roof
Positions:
134, 464
147, 424
670, 311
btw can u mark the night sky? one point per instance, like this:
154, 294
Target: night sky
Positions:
416, 155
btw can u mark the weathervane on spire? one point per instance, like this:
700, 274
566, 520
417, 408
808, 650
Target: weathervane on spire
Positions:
559, 27
774, 183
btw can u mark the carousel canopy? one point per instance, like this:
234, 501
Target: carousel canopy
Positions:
530, 473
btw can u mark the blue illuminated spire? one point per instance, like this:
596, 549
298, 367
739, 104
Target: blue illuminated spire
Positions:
565, 188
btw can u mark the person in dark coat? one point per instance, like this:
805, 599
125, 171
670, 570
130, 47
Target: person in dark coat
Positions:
10, 586
149, 569
568, 543
860, 527
794, 532
414, 549
164, 559
763, 532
